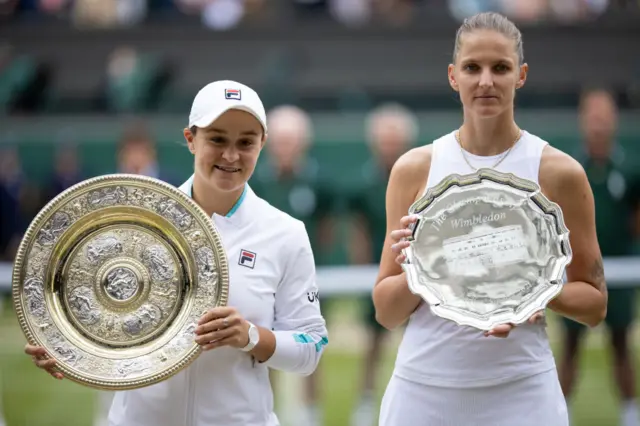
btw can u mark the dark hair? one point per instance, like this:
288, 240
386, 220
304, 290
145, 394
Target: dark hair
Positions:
136, 134
494, 22
590, 90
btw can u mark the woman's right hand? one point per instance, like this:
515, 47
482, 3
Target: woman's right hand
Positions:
399, 237
42, 360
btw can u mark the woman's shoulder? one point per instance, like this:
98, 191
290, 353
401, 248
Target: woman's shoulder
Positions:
416, 161
559, 171
273, 215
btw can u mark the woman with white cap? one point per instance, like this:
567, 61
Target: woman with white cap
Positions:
270, 321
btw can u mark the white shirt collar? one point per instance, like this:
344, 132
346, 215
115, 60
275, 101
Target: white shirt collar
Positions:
239, 213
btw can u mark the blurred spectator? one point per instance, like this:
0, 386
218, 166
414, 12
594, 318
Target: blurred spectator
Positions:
525, 11
131, 12
66, 172
137, 154
51, 7
21, 201
95, 13
108, 13
8, 222
223, 14
616, 191
396, 12
390, 130
6, 55
191, 7
134, 81
351, 13
121, 78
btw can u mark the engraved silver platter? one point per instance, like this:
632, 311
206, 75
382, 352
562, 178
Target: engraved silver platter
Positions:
488, 248
112, 277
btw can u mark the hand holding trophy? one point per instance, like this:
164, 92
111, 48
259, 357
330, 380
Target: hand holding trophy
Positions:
111, 279
486, 250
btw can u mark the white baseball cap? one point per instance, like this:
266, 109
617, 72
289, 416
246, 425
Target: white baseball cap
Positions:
218, 97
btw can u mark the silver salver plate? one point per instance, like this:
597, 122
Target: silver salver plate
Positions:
488, 248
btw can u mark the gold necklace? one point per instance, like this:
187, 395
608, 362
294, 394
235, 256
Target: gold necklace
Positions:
464, 155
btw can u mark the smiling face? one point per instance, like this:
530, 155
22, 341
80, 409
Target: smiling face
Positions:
227, 151
487, 72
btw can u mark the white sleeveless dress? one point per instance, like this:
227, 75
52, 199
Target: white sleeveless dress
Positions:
450, 375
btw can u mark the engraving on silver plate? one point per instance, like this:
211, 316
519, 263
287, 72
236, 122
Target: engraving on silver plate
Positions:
132, 367
159, 262
142, 197
107, 196
83, 306
176, 214
102, 247
34, 294
121, 283
146, 317
54, 228
488, 249
67, 353
206, 265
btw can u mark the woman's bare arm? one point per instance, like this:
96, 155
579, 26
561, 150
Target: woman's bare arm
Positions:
392, 298
584, 296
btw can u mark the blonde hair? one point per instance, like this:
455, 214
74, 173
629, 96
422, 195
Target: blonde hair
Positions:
494, 22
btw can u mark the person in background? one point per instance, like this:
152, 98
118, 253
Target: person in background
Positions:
391, 130
137, 155
617, 197
67, 170
22, 200
289, 179
8, 220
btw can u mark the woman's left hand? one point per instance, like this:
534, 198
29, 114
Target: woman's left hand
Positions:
503, 330
222, 326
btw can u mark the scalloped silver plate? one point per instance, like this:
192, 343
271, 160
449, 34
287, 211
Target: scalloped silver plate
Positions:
488, 248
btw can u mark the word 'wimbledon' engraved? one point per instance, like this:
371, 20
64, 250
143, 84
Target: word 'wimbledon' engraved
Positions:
477, 219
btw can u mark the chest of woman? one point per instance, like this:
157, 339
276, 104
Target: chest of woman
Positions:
255, 271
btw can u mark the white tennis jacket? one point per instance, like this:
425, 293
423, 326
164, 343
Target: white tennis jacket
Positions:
273, 286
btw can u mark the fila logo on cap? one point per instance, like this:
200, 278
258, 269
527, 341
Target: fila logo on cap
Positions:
232, 94
247, 259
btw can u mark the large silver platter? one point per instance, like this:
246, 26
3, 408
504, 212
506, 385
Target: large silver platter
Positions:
488, 248
112, 277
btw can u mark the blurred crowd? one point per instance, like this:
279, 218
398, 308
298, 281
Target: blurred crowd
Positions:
227, 14
21, 198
